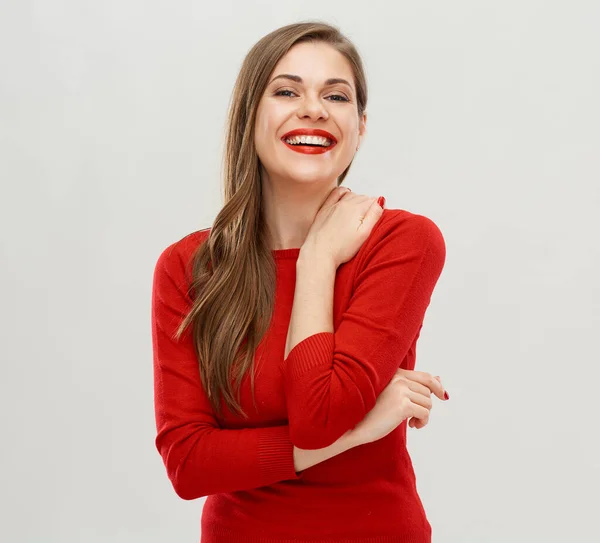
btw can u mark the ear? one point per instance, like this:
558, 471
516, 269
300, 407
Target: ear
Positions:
362, 128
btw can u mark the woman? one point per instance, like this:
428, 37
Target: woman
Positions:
284, 336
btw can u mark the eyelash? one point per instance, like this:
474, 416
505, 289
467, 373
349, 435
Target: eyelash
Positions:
343, 98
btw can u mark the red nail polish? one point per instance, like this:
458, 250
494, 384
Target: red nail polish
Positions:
446, 395
381, 201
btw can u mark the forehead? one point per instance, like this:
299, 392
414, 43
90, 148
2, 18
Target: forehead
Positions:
314, 62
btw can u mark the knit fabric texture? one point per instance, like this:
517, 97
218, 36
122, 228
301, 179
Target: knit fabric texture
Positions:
326, 385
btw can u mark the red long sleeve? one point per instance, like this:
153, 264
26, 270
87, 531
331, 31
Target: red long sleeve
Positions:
200, 457
326, 385
332, 380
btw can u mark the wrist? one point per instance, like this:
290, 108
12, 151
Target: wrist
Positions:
310, 256
348, 441
306, 458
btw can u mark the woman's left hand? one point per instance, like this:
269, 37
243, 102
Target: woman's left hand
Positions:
420, 423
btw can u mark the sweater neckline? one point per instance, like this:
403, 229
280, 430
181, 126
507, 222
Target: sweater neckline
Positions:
293, 252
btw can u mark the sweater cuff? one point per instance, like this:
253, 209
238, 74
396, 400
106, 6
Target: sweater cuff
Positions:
313, 351
276, 454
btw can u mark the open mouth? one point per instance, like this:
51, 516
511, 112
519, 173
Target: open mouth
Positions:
313, 141
309, 144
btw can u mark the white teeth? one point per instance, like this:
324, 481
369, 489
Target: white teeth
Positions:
314, 140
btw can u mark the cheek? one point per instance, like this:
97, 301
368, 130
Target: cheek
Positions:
265, 133
264, 127
351, 128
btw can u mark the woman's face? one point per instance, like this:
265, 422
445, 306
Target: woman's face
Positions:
303, 98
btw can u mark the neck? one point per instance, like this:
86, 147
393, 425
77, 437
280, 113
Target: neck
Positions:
290, 207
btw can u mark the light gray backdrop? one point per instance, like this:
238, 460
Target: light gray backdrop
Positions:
483, 116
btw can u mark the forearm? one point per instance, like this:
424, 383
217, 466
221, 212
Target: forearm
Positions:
312, 310
201, 461
305, 458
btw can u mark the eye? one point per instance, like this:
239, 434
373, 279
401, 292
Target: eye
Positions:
338, 97
280, 92
343, 98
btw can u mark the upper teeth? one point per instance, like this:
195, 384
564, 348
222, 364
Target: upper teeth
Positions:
315, 140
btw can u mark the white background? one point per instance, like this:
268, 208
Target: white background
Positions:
482, 116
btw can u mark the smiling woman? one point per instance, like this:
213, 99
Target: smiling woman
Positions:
313, 445
303, 98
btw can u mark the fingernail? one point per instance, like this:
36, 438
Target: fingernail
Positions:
381, 201
446, 395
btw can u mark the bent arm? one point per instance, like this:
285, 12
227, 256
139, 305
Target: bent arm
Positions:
200, 457
332, 378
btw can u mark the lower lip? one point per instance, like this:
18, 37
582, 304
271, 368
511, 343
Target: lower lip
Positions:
308, 150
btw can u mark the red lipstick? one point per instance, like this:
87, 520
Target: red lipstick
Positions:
308, 149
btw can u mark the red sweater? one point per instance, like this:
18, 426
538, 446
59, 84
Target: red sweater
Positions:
327, 384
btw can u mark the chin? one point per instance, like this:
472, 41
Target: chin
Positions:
310, 173
311, 177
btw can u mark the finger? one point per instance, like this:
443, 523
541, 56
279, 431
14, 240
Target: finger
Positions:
420, 423
412, 422
345, 192
340, 192
425, 379
417, 423
372, 215
446, 397
420, 399
419, 412
418, 387
335, 195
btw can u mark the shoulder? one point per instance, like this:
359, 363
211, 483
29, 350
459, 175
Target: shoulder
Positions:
175, 258
402, 237
399, 226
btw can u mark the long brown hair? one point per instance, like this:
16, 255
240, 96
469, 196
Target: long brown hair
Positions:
233, 272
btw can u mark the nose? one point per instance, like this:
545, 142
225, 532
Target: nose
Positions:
313, 108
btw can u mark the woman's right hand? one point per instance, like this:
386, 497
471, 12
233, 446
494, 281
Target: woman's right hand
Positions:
342, 224
407, 395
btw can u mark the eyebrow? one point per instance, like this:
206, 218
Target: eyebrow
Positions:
298, 79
